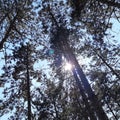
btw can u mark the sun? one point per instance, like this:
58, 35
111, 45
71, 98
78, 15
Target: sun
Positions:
68, 66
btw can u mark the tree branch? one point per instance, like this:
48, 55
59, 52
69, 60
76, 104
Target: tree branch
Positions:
110, 3
8, 32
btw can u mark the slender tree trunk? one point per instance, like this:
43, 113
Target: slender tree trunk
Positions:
112, 70
8, 32
28, 88
111, 110
83, 111
110, 95
84, 97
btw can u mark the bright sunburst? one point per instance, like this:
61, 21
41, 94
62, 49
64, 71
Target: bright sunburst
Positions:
68, 66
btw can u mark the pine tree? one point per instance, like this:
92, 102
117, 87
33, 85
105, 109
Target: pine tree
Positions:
18, 93
14, 15
96, 28
61, 31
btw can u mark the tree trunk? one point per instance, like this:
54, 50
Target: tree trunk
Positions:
112, 70
89, 111
91, 96
115, 117
62, 44
7, 32
28, 87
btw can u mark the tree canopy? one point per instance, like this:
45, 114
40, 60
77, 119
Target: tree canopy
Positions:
38, 38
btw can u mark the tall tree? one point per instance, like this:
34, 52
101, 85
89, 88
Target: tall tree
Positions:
63, 30
14, 15
19, 77
97, 27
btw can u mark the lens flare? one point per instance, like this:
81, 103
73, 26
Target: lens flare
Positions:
68, 66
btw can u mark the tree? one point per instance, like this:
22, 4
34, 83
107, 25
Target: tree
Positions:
19, 77
98, 28
64, 31
104, 79
12, 24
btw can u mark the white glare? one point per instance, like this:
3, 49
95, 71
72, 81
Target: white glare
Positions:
68, 66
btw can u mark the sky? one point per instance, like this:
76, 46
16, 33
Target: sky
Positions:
43, 64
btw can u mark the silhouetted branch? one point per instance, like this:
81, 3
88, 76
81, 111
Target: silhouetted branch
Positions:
110, 3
